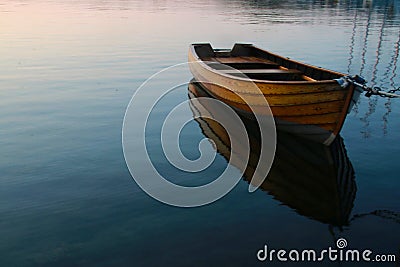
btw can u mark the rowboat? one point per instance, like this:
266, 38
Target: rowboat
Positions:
315, 180
306, 100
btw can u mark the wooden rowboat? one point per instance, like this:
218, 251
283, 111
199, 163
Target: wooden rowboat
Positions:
315, 180
304, 99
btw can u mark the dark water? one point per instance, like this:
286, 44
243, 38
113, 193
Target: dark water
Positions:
67, 72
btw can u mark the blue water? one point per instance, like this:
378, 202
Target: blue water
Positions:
68, 70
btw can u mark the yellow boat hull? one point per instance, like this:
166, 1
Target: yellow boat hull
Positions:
302, 104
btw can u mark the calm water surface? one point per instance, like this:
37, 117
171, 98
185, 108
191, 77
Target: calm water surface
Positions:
67, 72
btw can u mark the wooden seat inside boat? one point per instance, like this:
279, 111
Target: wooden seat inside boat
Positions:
267, 74
239, 60
262, 69
243, 65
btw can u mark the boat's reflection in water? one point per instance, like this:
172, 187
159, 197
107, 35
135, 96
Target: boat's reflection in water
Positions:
315, 180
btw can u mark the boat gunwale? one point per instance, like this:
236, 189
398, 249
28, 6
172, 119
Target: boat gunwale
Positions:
229, 76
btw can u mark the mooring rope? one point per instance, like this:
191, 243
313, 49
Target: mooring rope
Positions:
378, 91
369, 91
385, 214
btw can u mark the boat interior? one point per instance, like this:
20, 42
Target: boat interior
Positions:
259, 64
